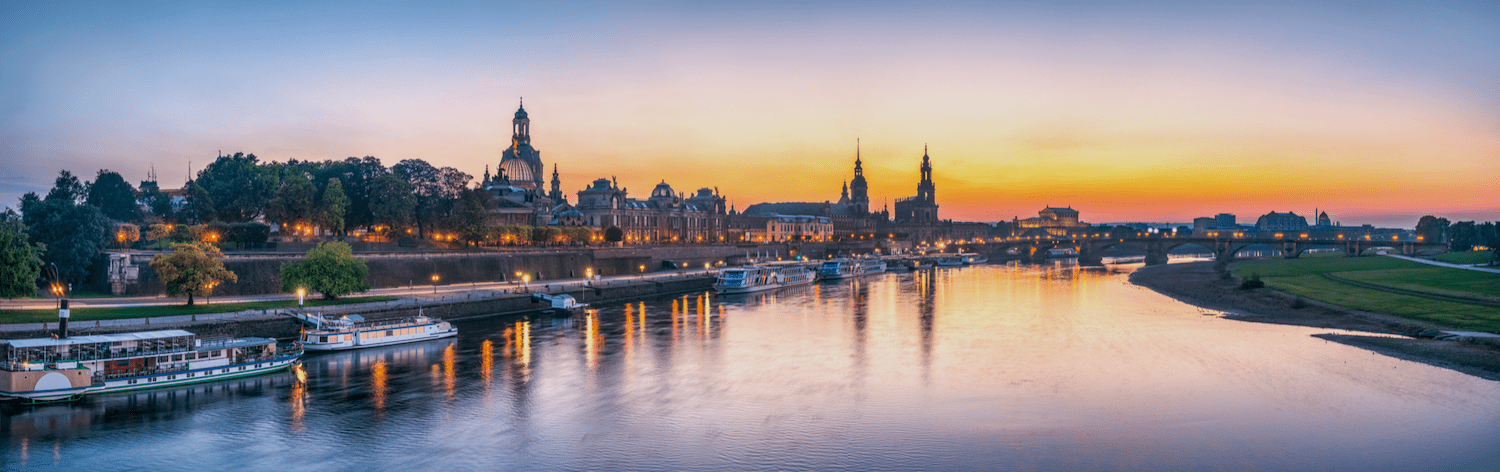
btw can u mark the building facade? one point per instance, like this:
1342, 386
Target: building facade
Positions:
1051, 221
665, 217
1274, 221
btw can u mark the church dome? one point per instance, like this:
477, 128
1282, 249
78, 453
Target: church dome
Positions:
517, 170
663, 190
520, 113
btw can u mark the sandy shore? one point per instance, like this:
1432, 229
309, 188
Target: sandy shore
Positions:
1196, 283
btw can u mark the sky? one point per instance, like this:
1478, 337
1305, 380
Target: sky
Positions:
1376, 113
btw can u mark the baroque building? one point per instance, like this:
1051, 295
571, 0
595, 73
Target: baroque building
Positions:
517, 191
916, 217
667, 216
1051, 221
850, 216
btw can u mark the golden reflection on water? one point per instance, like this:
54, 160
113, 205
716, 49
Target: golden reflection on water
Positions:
450, 378
486, 361
299, 397
592, 341
629, 332
377, 384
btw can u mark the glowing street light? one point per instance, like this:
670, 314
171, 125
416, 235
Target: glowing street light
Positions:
301, 295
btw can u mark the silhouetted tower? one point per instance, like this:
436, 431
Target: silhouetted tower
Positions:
925, 189
844, 194
925, 209
556, 194
859, 190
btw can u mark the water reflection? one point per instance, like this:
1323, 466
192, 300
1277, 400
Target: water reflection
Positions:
1040, 367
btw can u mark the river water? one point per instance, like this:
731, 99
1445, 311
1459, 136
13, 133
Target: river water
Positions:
984, 368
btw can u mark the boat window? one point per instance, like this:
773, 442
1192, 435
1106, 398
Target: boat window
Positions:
177, 357
322, 339
214, 354
388, 333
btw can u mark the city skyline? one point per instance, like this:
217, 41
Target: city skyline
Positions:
1150, 112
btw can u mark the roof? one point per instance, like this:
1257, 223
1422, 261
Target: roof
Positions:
801, 208
97, 338
1063, 210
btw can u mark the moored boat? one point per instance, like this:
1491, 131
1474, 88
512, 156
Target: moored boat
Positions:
755, 278
66, 368
354, 332
950, 261
970, 258
835, 269
559, 305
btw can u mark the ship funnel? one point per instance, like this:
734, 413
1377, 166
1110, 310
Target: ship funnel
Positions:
62, 319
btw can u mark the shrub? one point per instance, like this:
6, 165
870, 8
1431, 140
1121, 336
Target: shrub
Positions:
1252, 283
329, 269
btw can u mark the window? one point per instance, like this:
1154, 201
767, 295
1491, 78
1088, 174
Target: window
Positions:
322, 339
177, 357
214, 353
131, 382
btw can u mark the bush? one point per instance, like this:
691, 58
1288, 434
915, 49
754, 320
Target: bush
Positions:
1252, 283
329, 269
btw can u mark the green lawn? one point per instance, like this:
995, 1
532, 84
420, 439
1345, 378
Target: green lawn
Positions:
1466, 257
91, 314
1303, 277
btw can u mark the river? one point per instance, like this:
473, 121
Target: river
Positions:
999, 367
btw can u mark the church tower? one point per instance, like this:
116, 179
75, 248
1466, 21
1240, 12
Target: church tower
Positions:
859, 190
556, 194
521, 163
925, 189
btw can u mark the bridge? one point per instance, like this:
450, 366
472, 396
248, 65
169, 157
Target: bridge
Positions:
1223, 245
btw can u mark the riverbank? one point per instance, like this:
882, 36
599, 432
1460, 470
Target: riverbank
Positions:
450, 306
1198, 284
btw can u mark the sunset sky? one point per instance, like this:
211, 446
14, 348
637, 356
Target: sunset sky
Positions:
1163, 111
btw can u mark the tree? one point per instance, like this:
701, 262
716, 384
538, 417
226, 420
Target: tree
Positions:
127, 234
423, 178
193, 268
70, 235
614, 234
331, 207
330, 269
200, 205
66, 188
159, 203
20, 260
1462, 236
1431, 228
471, 215
392, 202
113, 196
294, 201
238, 186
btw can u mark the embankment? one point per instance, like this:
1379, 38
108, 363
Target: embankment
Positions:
1198, 284
473, 304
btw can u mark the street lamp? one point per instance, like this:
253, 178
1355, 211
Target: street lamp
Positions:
301, 295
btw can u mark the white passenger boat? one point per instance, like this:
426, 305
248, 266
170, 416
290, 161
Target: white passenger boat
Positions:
66, 368
835, 269
559, 305
354, 332
950, 261
754, 278
970, 258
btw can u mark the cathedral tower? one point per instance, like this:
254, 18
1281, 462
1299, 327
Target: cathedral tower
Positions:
859, 190
521, 163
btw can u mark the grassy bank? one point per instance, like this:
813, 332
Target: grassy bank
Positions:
1466, 257
1304, 277
91, 314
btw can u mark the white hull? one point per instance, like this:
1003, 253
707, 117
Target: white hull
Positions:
356, 341
161, 380
759, 288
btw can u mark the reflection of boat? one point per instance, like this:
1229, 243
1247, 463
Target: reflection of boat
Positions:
560, 305
353, 332
972, 258
835, 269
755, 278
50, 369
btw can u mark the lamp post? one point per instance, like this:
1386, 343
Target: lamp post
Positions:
434, 274
301, 295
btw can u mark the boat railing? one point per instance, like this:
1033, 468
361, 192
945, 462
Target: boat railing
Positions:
144, 371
